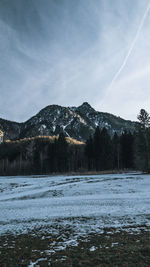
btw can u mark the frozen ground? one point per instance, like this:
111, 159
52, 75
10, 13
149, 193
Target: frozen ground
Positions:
84, 203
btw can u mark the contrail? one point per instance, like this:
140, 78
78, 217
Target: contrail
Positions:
131, 47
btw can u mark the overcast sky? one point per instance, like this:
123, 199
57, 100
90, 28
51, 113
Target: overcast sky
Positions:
70, 51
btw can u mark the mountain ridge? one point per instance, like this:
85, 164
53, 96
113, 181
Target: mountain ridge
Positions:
76, 122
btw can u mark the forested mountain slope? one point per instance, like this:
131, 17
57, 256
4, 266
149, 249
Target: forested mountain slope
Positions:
76, 122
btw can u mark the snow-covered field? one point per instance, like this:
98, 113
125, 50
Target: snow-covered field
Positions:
85, 203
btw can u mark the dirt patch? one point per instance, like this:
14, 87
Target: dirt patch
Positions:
114, 247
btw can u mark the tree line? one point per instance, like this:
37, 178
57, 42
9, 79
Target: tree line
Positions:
100, 152
127, 151
41, 156
104, 152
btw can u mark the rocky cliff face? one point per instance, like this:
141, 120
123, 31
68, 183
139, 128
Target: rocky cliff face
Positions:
76, 122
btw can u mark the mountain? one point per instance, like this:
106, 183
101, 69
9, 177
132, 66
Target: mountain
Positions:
76, 122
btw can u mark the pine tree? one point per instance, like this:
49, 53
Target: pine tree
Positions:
144, 119
89, 152
106, 150
126, 142
116, 151
143, 140
62, 153
97, 149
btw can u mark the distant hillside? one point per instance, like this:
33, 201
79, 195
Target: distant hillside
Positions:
76, 122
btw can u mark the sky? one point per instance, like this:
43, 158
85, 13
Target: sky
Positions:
67, 52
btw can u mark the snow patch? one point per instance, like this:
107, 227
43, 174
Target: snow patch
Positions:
83, 203
93, 248
32, 264
44, 126
54, 128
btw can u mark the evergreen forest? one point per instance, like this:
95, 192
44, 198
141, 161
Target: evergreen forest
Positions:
101, 152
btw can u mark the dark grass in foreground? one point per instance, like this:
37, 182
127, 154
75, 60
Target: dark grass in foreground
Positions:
114, 247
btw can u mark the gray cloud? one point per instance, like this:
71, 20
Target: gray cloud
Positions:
67, 52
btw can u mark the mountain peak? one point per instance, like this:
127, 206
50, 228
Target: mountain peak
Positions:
86, 104
85, 108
